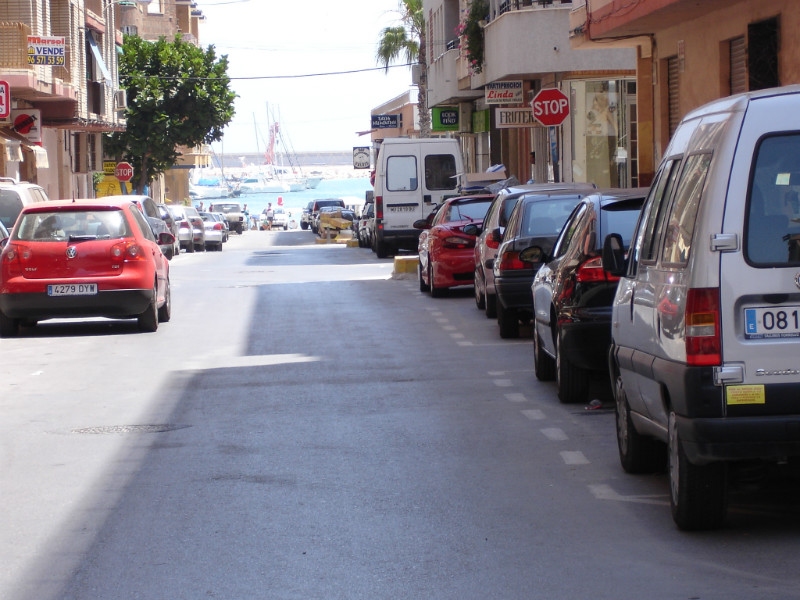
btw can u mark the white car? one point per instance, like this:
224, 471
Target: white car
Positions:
215, 231
280, 219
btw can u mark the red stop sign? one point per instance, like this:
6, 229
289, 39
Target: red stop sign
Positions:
123, 171
550, 107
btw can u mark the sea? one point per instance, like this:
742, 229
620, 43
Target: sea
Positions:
351, 189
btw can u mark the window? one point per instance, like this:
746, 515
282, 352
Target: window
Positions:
572, 225
645, 247
401, 173
440, 172
683, 215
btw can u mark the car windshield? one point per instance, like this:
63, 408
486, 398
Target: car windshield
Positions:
72, 225
547, 217
10, 207
227, 208
468, 211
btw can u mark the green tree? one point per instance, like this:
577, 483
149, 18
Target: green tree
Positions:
178, 95
406, 41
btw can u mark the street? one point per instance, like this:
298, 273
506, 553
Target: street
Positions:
307, 426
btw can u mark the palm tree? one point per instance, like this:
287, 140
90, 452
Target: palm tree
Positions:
407, 41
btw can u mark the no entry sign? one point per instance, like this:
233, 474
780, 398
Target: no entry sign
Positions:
123, 171
550, 107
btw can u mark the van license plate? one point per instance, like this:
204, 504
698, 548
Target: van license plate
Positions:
72, 289
769, 322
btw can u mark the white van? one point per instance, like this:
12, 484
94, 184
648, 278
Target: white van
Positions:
705, 354
411, 177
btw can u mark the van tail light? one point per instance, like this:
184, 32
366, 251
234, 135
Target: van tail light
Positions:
379, 207
703, 347
591, 271
509, 261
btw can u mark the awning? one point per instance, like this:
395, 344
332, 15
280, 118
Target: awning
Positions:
12, 145
98, 56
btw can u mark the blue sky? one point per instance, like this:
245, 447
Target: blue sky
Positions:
265, 39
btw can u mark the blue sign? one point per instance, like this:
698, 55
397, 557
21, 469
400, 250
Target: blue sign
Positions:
385, 121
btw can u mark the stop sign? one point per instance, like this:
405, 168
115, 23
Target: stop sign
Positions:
550, 107
123, 171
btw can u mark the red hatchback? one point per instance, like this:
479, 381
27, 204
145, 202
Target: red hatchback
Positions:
83, 258
445, 249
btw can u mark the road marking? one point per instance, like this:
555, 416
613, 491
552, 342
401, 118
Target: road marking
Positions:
516, 397
457, 336
465, 344
555, 434
503, 382
442, 320
496, 373
574, 457
263, 360
449, 327
602, 491
534, 414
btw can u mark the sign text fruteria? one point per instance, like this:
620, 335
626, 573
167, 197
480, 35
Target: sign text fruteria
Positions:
46, 50
385, 121
503, 92
511, 118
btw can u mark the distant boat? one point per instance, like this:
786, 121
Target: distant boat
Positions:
208, 187
259, 184
313, 182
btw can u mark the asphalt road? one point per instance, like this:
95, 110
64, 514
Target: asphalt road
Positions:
307, 426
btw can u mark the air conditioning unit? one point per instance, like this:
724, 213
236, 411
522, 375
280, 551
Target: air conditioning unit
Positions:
129, 30
120, 100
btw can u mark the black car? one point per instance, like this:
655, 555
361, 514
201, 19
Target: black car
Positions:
537, 219
572, 294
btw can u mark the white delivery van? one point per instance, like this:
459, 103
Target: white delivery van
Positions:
411, 177
705, 353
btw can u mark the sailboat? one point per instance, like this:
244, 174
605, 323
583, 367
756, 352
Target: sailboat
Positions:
293, 175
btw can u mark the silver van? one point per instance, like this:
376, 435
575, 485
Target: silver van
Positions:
705, 353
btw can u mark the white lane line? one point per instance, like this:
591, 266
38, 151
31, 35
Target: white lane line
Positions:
457, 336
503, 382
534, 414
603, 491
516, 397
574, 457
443, 320
496, 373
555, 434
449, 327
465, 344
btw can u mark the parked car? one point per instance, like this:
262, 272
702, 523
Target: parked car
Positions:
364, 228
322, 227
3, 234
214, 231
317, 205
705, 326
83, 258
225, 230
445, 250
191, 229
14, 195
490, 234
234, 214
280, 218
150, 210
572, 294
305, 218
537, 219
172, 226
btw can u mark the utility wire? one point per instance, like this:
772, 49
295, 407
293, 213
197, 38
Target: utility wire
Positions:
283, 76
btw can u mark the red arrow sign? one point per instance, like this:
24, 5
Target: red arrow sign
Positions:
123, 171
550, 107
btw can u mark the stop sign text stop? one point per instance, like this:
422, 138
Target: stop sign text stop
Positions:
550, 107
123, 171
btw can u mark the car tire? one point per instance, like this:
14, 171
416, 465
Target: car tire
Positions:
190, 247
436, 292
491, 305
303, 225
637, 453
508, 321
544, 366
165, 310
480, 298
698, 493
148, 320
285, 227
423, 287
8, 327
572, 383
383, 252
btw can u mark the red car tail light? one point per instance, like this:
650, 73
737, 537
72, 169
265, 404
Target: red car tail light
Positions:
218, 227
492, 243
14, 259
509, 261
703, 346
454, 242
127, 251
591, 271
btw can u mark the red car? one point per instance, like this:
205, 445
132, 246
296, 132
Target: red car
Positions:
445, 249
83, 258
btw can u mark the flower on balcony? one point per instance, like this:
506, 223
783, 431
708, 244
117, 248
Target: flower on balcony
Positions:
470, 30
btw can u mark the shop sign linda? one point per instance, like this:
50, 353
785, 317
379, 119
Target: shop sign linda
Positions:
503, 92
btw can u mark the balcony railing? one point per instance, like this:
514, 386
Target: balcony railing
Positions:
505, 6
14, 45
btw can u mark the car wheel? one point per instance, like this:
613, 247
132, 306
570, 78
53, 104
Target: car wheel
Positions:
148, 320
508, 321
435, 292
572, 382
637, 453
219, 247
165, 310
190, 247
544, 367
491, 305
285, 227
423, 287
303, 226
382, 251
698, 493
8, 327
480, 298
200, 247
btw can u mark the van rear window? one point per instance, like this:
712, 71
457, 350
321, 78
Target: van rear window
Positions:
772, 229
440, 172
401, 173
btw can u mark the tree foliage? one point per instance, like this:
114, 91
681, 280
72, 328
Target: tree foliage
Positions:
407, 41
178, 95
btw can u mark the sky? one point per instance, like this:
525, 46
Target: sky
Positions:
271, 43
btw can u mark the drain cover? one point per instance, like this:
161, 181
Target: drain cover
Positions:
129, 429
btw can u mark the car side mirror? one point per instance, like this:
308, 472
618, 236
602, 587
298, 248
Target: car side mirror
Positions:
533, 254
421, 224
613, 256
473, 229
165, 238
